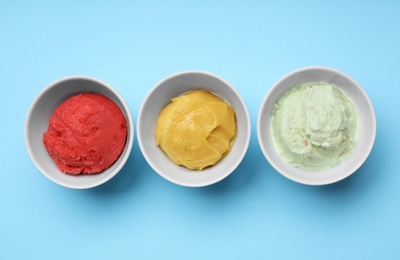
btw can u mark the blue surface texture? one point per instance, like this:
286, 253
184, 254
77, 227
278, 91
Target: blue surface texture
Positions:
255, 213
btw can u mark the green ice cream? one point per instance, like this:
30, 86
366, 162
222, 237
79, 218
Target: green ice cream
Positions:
314, 125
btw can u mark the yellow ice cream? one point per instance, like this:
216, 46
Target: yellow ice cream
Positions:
314, 125
196, 130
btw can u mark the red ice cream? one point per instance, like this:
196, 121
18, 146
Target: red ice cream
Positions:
86, 134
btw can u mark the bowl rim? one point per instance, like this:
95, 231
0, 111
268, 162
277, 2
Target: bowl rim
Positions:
276, 166
147, 156
128, 144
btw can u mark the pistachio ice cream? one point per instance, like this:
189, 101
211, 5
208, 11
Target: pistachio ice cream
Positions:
314, 125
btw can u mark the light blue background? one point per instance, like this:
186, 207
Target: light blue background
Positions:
253, 214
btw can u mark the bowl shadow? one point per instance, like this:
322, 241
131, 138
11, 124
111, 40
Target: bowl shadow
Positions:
126, 180
242, 177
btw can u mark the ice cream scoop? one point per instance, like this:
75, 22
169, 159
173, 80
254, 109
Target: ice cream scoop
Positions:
314, 125
86, 134
196, 129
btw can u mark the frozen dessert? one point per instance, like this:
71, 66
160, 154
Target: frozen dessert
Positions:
314, 125
196, 130
86, 134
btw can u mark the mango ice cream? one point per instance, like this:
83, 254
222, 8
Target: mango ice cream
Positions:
196, 130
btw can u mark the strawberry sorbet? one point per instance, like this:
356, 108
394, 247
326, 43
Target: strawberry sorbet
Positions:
86, 134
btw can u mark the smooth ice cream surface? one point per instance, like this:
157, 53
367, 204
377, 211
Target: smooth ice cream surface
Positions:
86, 134
196, 130
314, 125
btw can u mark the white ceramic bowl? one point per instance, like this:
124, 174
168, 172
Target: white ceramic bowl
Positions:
158, 97
37, 122
366, 117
